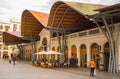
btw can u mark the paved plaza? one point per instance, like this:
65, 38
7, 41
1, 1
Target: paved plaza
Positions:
24, 70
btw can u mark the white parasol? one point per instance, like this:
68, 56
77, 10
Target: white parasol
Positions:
49, 52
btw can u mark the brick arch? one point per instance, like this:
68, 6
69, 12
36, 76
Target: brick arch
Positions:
83, 55
95, 53
44, 41
74, 51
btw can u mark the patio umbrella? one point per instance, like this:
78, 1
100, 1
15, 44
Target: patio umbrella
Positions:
42, 52
49, 52
53, 52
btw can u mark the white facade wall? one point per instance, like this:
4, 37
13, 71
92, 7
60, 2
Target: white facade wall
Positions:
88, 40
44, 34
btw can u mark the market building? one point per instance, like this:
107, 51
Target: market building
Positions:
71, 30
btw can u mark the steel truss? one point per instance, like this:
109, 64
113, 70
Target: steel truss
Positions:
108, 19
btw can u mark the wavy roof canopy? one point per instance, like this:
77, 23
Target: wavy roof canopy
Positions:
108, 12
33, 22
109, 8
10, 38
72, 14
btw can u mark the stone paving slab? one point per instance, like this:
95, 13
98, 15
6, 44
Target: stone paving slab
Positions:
86, 72
24, 70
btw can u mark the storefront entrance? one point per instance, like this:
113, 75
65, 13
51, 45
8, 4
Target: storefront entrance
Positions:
95, 54
74, 51
83, 56
66, 54
106, 57
44, 44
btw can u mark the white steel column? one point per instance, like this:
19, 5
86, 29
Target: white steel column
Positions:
88, 54
78, 54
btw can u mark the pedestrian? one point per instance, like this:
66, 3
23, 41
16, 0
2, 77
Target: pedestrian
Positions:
10, 59
92, 66
14, 60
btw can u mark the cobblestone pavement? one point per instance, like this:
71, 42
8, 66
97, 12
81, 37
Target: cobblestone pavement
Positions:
24, 70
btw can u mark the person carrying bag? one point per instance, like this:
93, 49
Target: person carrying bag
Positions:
92, 67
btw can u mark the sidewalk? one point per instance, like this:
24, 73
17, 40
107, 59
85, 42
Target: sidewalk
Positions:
78, 72
85, 72
82, 71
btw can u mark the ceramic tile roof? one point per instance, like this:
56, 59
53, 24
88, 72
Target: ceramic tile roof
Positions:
15, 33
73, 14
109, 8
32, 23
40, 16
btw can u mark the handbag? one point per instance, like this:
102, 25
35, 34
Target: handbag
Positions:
94, 71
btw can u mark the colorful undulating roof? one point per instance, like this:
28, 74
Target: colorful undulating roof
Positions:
15, 33
33, 22
84, 8
41, 17
108, 8
72, 15
69, 14
10, 38
112, 11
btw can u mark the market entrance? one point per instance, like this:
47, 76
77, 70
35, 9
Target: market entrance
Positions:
44, 44
106, 56
95, 54
74, 51
83, 56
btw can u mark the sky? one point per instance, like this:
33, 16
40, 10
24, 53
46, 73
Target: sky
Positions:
14, 8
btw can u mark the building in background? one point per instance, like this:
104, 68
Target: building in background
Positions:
70, 31
13, 25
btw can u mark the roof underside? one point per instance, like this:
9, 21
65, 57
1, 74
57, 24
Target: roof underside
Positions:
72, 15
11, 38
32, 23
109, 8
109, 12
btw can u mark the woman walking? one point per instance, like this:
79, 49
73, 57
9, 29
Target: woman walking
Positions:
92, 67
14, 60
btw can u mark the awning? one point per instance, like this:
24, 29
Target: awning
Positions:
32, 23
72, 15
48, 53
11, 38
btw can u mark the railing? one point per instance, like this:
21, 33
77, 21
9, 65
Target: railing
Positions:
73, 35
82, 33
94, 31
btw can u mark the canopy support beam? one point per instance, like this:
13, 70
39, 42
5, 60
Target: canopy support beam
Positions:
63, 41
111, 37
20, 47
